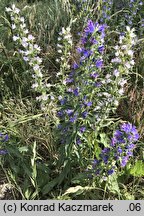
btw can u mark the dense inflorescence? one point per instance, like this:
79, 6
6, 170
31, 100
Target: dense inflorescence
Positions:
29, 51
119, 151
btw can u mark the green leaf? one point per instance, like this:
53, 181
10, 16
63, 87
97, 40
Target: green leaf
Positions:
23, 149
104, 139
77, 190
138, 169
113, 184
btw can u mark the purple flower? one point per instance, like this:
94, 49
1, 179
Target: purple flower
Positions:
60, 113
94, 163
124, 161
88, 103
126, 127
110, 172
78, 141
75, 65
102, 28
105, 158
119, 149
83, 40
94, 75
106, 150
82, 129
131, 146
99, 63
79, 50
119, 136
84, 114
97, 84
97, 172
69, 112
3, 152
69, 80
113, 142
74, 118
131, 131
93, 41
90, 27
101, 49
69, 90
129, 153
63, 101
71, 74
76, 92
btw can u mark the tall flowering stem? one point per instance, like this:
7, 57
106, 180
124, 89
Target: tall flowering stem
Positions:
92, 89
29, 51
77, 112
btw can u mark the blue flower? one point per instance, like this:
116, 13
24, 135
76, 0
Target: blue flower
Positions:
93, 41
94, 75
82, 129
76, 92
110, 172
129, 153
69, 90
106, 150
101, 49
90, 27
3, 151
102, 28
88, 103
79, 50
74, 118
83, 40
69, 80
99, 63
78, 141
69, 112
75, 65
105, 159
60, 113
97, 84
62, 100
119, 136
124, 161
84, 114
119, 149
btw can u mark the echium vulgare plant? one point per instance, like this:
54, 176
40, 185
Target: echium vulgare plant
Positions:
77, 113
92, 90
29, 51
119, 152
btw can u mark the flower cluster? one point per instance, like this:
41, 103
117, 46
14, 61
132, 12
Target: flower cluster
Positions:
3, 138
123, 62
64, 47
28, 50
118, 153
